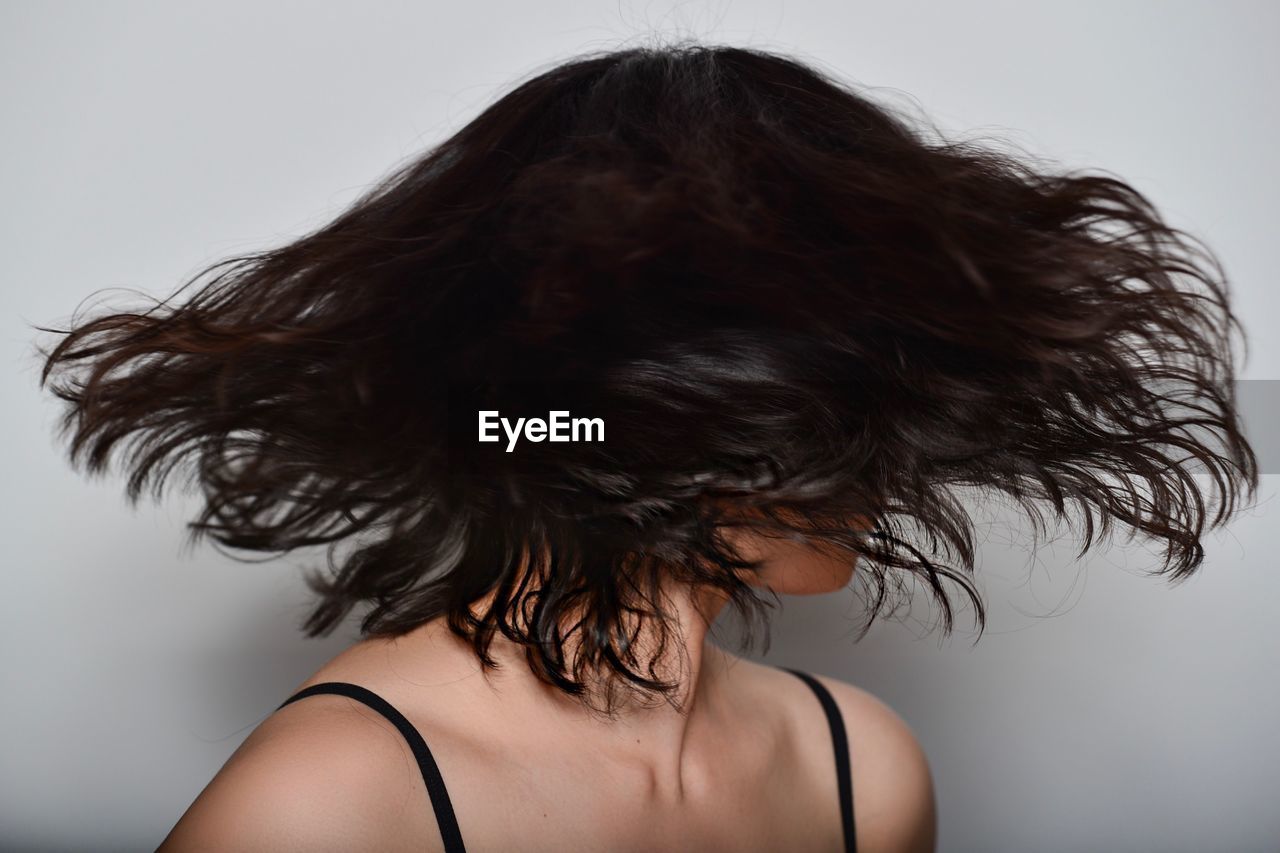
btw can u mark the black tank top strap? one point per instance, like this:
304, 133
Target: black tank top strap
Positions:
840, 743
440, 802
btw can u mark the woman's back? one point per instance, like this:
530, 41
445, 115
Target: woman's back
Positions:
328, 771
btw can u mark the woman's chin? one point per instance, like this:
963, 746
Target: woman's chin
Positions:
818, 578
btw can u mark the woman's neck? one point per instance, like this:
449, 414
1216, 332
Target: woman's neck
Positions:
655, 734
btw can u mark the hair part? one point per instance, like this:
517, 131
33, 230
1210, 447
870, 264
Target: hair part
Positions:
779, 295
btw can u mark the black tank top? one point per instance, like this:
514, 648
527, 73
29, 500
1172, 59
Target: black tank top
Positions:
443, 808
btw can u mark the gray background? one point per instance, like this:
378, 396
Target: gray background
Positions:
1102, 710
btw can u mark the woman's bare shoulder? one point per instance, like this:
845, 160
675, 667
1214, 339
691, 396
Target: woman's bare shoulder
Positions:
895, 806
323, 773
893, 796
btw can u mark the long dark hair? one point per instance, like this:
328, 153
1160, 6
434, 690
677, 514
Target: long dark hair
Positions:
790, 308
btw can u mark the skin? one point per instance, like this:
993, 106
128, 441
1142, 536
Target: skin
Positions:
744, 763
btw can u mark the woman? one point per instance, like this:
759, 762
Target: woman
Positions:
788, 325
